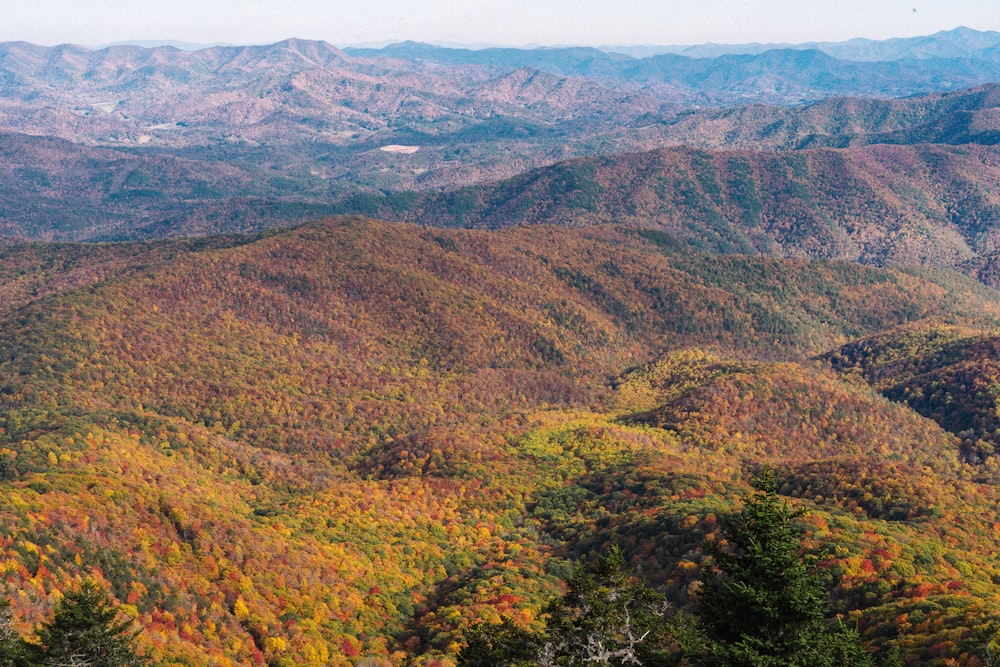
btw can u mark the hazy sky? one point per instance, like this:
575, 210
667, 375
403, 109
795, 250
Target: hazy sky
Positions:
507, 22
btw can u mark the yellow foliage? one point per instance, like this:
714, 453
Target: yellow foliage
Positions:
275, 645
240, 609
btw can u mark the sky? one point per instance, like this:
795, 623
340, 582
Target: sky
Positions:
499, 22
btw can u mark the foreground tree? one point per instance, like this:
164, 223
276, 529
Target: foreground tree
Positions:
606, 617
87, 631
761, 602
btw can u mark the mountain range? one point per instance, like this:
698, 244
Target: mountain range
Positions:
365, 347
312, 112
959, 42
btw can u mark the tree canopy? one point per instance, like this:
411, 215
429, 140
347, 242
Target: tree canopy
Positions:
761, 603
14, 651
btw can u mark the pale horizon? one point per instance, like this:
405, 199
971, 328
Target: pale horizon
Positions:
478, 23
486, 45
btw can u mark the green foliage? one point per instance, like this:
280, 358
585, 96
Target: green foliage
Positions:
88, 631
606, 617
500, 645
761, 602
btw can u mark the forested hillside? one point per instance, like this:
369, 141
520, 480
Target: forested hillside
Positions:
948, 374
354, 439
882, 205
955, 117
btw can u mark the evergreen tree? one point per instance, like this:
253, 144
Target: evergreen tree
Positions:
762, 603
87, 631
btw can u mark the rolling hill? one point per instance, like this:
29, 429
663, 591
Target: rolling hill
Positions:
881, 205
353, 439
947, 374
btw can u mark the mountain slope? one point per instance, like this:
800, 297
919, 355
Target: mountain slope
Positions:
355, 438
881, 205
360, 296
948, 374
958, 117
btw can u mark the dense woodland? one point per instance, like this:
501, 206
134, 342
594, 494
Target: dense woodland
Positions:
568, 378
356, 440
923, 204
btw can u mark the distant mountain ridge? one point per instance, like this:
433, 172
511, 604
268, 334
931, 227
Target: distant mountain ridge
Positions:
961, 42
969, 116
722, 75
300, 90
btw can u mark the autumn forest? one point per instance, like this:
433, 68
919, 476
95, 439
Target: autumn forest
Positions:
366, 426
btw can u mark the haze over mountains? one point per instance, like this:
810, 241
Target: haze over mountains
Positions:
957, 43
159, 142
298, 90
545, 302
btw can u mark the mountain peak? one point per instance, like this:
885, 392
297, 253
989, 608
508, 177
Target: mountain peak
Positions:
318, 50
